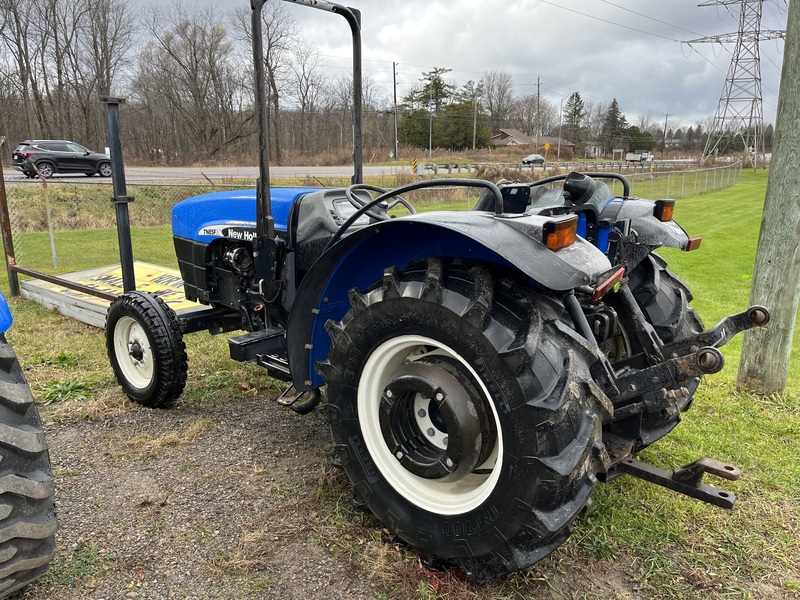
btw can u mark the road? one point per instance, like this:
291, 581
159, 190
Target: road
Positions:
221, 174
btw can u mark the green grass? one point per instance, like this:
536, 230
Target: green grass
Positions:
669, 546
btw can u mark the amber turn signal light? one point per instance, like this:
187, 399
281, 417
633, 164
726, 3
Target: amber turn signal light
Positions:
664, 209
560, 234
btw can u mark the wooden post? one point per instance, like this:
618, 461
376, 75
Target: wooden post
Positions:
764, 366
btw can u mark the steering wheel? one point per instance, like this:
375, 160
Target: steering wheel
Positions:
384, 206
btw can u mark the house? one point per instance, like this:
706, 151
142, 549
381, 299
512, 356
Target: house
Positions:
514, 137
593, 149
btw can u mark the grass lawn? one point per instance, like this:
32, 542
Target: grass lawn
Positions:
669, 545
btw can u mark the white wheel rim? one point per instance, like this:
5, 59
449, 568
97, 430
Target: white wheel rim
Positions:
449, 498
127, 333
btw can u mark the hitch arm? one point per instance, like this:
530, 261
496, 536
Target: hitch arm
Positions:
688, 479
722, 332
669, 373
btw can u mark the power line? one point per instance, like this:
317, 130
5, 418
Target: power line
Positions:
649, 17
583, 14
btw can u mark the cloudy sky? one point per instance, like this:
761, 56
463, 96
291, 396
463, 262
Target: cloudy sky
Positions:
628, 49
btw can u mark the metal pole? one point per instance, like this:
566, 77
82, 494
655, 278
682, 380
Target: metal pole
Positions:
430, 126
265, 224
394, 87
353, 17
5, 225
120, 198
560, 122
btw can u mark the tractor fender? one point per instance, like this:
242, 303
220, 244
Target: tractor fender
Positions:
358, 260
650, 231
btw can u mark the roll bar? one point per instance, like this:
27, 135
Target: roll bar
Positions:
265, 223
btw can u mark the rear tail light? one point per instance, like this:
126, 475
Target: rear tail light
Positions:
693, 244
608, 284
560, 234
664, 209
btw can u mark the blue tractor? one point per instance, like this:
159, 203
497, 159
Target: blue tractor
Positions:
481, 370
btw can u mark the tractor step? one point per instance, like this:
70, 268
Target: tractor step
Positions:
249, 347
300, 402
276, 366
686, 480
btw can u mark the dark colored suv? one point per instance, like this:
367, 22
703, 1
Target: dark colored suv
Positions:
59, 156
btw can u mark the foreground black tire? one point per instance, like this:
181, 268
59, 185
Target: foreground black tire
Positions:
146, 349
463, 412
664, 299
27, 507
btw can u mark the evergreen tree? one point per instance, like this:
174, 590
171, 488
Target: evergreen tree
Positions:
435, 91
614, 126
574, 114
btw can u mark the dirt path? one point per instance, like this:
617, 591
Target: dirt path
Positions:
193, 503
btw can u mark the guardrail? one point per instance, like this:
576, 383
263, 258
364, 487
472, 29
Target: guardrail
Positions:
616, 166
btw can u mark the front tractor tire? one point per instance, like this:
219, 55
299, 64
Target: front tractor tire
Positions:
27, 513
146, 349
463, 412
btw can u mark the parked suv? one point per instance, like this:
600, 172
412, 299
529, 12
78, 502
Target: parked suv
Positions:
59, 156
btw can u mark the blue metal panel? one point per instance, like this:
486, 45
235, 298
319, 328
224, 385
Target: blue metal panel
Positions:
5, 315
202, 218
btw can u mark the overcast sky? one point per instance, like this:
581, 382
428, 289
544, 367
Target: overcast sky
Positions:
628, 49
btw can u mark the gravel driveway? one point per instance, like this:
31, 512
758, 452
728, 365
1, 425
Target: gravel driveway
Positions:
211, 502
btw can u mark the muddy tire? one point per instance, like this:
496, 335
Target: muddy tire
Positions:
146, 349
463, 412
664, 299
27, 507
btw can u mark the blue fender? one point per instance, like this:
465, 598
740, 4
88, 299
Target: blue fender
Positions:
5, 315
359, 260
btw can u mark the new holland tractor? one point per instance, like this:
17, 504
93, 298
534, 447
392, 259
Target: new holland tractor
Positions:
481, 370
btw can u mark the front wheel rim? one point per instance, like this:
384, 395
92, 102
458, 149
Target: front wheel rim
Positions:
133, 352
439, 495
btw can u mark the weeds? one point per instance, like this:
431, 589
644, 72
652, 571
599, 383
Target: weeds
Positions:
61, 391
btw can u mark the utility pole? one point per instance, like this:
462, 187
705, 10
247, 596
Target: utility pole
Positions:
394, 87
538, 110
764, 366
664, 140
430, 125
474, 116
740, 111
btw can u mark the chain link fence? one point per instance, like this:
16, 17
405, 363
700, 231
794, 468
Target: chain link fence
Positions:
63, 226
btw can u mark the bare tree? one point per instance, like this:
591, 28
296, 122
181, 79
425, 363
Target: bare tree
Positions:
19, 37
187, 64
308, 81
498, 94
280, 39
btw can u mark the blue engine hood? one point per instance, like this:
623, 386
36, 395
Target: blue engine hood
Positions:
204, 218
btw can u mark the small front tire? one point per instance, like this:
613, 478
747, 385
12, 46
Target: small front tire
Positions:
146, 349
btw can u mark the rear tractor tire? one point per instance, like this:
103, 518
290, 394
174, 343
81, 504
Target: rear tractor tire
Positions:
27, 511
664, 300
146, 349
463, 412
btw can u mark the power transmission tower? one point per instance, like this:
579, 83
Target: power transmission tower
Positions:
740, 111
